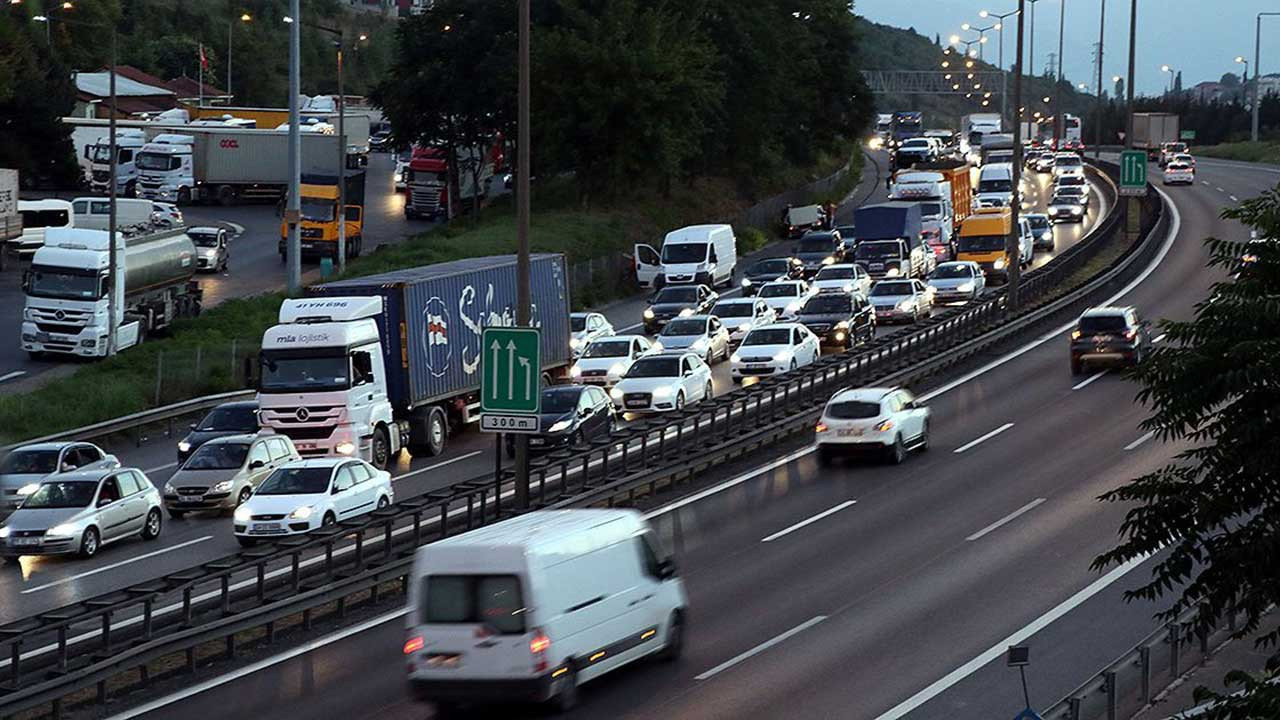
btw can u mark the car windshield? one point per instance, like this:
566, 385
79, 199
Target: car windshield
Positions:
242, 419
825, 304
877, 250
687, 326
886, 289
1072, 161
655, 367
62, 283
780, 290
218, 456
770, 267
1069, 192
1103, 325
740, 309
1070, 181
577, 323
952, 271
835, 273
204, 239
560, 400
1037, 222
853, 410
980, 243
608, 348
995, 185
74, 494
768, 336
296, 481
684, 253
30, 462
1064, 199
815, 244
284, 371
676, 295
1178, 166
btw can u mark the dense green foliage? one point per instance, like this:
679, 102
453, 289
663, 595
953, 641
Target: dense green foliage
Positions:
1214, 387
1261, 151
35, 90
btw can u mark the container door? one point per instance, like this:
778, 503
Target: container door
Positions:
648, 264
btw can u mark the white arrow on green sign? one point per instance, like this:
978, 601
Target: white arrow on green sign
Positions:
510, 374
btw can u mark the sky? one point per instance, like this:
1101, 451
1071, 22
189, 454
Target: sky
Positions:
1201, 38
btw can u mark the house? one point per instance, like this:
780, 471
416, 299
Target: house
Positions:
136, 92
1207, 92
1268, 85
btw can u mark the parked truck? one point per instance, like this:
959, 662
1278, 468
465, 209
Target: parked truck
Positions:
66, 289
128, 142
890, 240
427, 180
319, 205
1151, 130
10, 218
372, 365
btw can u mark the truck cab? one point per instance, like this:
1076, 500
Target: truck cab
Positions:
128, 143
320, 227
936, 213
166, 169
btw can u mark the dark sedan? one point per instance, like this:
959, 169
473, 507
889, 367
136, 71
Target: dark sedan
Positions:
839, 319
572, 415
233, 418
677, 301
817, 249
762, 272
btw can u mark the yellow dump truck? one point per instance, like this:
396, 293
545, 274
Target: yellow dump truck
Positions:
319, 228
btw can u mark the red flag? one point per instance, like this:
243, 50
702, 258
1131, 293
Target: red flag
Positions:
204, 61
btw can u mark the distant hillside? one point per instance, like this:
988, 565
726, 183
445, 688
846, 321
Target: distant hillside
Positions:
883, 47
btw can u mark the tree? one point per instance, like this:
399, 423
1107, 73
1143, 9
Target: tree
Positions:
1230, 79
35, 91
1120, 90
1214, 385
1177, 82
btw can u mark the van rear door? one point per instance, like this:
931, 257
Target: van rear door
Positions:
473, 627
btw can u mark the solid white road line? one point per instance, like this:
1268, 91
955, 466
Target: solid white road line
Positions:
997, 650
629, 328
12, 375
1204, 183
1006, 519
1086, 381
158, 468
984, 438
761, 647
450, 461
237, 227
810, 521
1140, 440
255, 667
756, 472
113, 566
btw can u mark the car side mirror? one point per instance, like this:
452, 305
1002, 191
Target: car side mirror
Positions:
584, 412
336, 490
257, 464
192, 426
667, 569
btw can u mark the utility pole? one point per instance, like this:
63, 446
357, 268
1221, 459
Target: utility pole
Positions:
1257, 72
293, 208
1133, 208
1097, 101
1057, 86
342, 165
1013, 243
523, 300
114, 284
1031, 51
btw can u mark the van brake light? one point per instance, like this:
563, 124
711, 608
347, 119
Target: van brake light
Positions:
539, 643
414, 644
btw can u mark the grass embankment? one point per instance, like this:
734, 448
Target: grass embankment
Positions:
1263, 151
205, 355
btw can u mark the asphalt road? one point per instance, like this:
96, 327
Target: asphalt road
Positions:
38, 584
898, 605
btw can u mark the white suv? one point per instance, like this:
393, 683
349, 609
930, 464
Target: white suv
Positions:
882, 421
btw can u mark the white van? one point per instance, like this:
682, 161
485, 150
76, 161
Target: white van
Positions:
530, 608
701, 254
995, 185
36, 216
93, 213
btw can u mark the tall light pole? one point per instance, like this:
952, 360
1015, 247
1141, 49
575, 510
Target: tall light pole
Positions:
1013, 244
293, 206
523, 168
1133, 209
1097, 101
1057, 86
244, 18
1244, 84
1031, 51
1172, 72
1257, 71
999, 26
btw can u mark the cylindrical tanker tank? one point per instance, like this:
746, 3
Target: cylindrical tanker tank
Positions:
158, 260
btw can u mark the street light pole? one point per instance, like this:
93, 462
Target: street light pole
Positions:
114, 284
1057, 86
293, 207
1013, 243
1097, 130
342, 166
1031, 51
1257, 72
523, 300
1133, 209
1169, 69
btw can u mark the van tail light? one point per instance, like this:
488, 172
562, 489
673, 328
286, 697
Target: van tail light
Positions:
414, 644
538, 646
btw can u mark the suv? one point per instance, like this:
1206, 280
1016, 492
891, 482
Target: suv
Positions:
885, 421
1110, 336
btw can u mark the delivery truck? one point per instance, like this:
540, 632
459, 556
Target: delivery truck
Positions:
890, 240
66, 289
956, 173
1151, 130
368, 366
319, 232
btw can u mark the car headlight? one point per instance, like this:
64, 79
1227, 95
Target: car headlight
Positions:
746, 282
169, 489
700, 345
617, 369
302, 513
558, 426
964, 287
829, 260
616, 394
906, 304
842, 325
26, 490
346, 447
648, 313
576, 370
686, 312
657, 346
782, 356
224, 486
735, 358
1075, 210
574, 343
242, 514
894, 271
4, 532
998, 264
662, 392
847, 287
184, 446
63, 530
1046, 235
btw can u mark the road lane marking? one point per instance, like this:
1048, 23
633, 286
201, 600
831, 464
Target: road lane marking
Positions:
1159, 338
12, 375
810, 521
239, 229
1233, 198
1221, 190
1140, 440
158, 468
762, 647
113, 566
730, 483
629, 328
984, 438
998, 650
1204, 183
1006, 519
437, 465
1085, 382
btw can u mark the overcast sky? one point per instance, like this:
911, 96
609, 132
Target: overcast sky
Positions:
1199, 37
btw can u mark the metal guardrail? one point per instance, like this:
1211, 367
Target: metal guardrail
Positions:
60, 653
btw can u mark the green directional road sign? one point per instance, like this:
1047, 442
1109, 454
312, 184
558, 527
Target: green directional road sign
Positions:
510, 370
1133, 173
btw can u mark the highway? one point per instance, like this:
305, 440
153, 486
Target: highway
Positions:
900, 602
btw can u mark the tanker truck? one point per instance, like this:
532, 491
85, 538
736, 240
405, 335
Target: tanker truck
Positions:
66, 289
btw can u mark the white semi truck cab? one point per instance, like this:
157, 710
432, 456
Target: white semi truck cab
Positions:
166, 170
323, 381
128, 143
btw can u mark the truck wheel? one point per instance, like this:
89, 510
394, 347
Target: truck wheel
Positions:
226, 195
131, 189
184, 196
380, 451
435, 434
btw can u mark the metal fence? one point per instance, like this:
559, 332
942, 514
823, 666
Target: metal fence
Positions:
765, 214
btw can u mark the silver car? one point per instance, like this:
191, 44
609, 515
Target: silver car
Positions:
223, 473
212, 253
79, 512
701, 334
26, 467
957, 281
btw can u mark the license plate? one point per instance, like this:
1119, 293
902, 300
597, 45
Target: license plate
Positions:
877, 266
26, 542
849, 432
757, 366
537, 441
265, 528
307, 245
42, 337
637, 403
189, 500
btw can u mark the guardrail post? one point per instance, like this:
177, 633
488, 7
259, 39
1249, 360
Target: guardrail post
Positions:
386, 538
262, 581
225, 600
186, 606
1110, 678
1144, 661
147, 604
360, 548
328, 559
106, 631
191, 661
15, 654
444, 524
295, 570
1073, 708
62, 648
1174, 648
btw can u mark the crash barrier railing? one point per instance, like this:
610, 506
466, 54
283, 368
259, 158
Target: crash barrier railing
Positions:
72, 651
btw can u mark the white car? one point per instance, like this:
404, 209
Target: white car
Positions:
773, 350
786, 297
902, 300
166, 214
701, 334
607, 359
961, 280
1067, 163
1178, 172
882, 421
304, 495
1071, 181
659, 383
842, 278
742, 315
585, 327
26, 467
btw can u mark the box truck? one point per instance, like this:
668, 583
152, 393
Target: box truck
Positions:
890, 240
1151, 130
369, 366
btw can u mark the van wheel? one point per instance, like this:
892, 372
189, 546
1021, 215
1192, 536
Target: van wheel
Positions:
675, 639
566, 698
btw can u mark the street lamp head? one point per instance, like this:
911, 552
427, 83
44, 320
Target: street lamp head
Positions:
983, 39
966, 26
1115, 78
1164, 68
245, 17
1082, 86
946, 64
1046, 98
1240, 59
40, 18
999, 26
287, 19
972, 54
955, 39
983, 13
362, 37
67, 5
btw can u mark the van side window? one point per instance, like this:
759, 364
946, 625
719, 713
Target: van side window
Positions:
80, 207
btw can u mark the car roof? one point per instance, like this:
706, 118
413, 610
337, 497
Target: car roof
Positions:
240, 438
85, 475
1107, 311
324, 462
964, 263
871, 394
783, 282
737, 301
628, 338
1035, 215
54, 445
840, 266
582, 314
205, 228
703, 318
780, 326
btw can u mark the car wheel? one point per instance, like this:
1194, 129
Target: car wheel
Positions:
177, 514
898, 452
825, 457
675, 638
578, 439
566, 697
329, 519
383, 502
243, 497
151, 528
380, 452
89, 542
680, 400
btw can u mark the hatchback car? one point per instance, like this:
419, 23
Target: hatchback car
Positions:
212, 252
660, 383
786, 296
839, 319
773, 350
766, 271
585, 327
1108, 336
842, 278
166, 214
306, 494
1071, 181
1044, 163
1065, 208
882, 421
607, 359
705, 335
677, 301
571, 416
1041, 231
26, 467
232, 418
1179, 173
1067, 163
959, 281
79, 512
741, 315
902, 300
222, 473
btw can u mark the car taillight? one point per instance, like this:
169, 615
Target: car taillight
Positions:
820, 427
414, 644
1130, 334
538, 646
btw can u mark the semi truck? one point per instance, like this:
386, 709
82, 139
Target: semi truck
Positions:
890, 240
369, 366
319, 229
1151, 130
10, 218
128, 142
976, 125
227, 165
66, 289
427, 180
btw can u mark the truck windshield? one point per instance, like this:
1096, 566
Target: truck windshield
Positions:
156, 161
32, 219
101, 153
981, 243
62, 283
288, 371
684, 253
317, 210
930, 209
994, 185
877, 250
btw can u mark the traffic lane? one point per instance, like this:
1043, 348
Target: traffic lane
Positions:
14, 362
